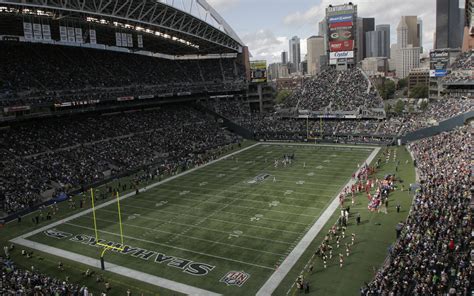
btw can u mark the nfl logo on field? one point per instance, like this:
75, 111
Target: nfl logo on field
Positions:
235, 278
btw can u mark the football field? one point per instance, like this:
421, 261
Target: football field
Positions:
222, 228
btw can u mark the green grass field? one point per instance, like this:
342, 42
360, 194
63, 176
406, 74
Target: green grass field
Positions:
224, 217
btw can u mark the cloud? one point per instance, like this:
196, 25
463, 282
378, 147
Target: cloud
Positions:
263, 44
384, 12
223, 5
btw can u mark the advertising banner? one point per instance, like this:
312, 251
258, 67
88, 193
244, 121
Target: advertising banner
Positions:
341, 31
92, 36
439, 60
63, 33
341, 34
46, 32
348, 25
38, 35
340, 18
340, 9
28, 31
347, 45
341, 55
15, 109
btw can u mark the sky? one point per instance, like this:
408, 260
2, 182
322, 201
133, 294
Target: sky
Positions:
265, 26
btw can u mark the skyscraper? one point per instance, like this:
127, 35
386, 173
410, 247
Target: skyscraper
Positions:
448, 32
315, 46
364, 25
284, 57
468, 20
413, 32
323, 31
419, 29
377, 43
385, 42
405, 54
295, 53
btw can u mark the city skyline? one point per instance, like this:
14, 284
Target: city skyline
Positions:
268, 37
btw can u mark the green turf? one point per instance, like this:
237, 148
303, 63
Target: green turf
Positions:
373, 237
208, 216
47, 263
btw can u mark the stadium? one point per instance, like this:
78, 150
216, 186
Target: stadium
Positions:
145, 152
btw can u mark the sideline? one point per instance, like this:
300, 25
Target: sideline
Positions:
272, 283
154, 280
124, 271
277, 277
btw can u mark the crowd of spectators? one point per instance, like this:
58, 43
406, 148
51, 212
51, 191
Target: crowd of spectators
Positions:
333, 90
461, 69
62, 154
465, 61
272, 127
432, 255
27, 71
16, 281
435, 112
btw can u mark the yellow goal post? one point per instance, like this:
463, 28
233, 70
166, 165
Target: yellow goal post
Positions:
96, 231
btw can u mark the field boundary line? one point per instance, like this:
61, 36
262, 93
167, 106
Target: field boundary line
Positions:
130, 273
117, 269
103, 205
277, 277
193, 237
177, 248
231, 213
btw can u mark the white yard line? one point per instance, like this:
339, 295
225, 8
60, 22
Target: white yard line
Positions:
282, 190
230, 222
154, 280
219, 197
226, 233
120, 270
85, 212
275, 279
162, 282
179, 248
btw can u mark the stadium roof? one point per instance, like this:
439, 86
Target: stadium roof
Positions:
190, 20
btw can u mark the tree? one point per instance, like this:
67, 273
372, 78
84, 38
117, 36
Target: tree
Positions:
388, 108
402, 83
424, 105
282, 95
386, 89
399, 106
419, 91
389, 88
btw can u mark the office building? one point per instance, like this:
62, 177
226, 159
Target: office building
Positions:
284, 57
295, 53
315, 49
406, 56
363, 25
449, 24
377, 43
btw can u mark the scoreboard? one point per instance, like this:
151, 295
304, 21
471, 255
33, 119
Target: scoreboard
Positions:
258, 71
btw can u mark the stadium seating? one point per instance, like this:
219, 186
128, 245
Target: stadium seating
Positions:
67, 153
333, 90
82, 73
432, 255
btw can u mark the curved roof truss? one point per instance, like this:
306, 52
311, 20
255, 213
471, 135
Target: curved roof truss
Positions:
195, 18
